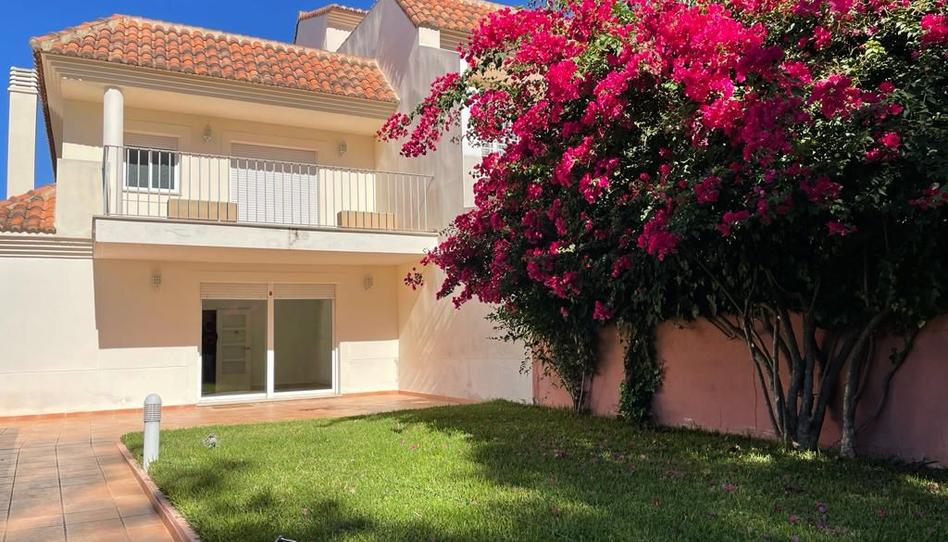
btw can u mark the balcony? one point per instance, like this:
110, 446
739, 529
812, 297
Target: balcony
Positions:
233, 190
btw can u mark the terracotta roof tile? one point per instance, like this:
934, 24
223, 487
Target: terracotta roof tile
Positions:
456, 15
33, 212
186, 49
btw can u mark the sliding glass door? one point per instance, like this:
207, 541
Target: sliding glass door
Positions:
265, 340
234, 347
302, 344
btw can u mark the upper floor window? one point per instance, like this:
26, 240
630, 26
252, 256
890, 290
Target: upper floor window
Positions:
151, 162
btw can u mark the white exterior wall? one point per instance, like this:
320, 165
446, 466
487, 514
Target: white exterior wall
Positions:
91, 335
316, 32
200, 177
442, 350
311, 32
84, 334
82, 135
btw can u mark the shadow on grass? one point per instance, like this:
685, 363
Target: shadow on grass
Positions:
499, 471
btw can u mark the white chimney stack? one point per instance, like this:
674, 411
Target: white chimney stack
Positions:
21, 131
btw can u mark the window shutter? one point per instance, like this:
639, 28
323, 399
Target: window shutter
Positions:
225, 290
304, 291
274, 185
277, 154
149, 141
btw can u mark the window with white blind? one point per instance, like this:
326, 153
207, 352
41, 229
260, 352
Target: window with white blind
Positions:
151, 162
274, 185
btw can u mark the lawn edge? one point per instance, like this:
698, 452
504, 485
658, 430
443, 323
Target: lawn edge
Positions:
177, 525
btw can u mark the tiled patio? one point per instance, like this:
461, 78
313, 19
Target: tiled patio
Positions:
62, 477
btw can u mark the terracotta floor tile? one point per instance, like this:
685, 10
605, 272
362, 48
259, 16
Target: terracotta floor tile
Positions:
99, 514
125, 487
151, 519
109, 530
46, 534
82, 481
44, 481
134, 505
22, 509
87, 504
154, 533
24, 524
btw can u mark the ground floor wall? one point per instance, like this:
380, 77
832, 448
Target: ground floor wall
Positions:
87, 335
455, 352
710, 383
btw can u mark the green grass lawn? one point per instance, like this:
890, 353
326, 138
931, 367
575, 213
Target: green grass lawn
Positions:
502, 471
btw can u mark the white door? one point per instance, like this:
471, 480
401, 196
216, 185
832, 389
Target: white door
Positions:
233, 349
274, 185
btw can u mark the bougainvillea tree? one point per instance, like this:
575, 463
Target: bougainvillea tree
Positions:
779, 167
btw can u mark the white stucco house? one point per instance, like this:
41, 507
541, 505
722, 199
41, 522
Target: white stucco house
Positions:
224, 225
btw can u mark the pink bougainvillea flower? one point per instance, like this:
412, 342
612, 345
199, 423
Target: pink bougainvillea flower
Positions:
730, 218
821, 190
934, 29
891, 140
838, 228
602, 312
655, 238
706, 191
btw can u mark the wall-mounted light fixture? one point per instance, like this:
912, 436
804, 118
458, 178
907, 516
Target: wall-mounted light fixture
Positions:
343, 148
156, 279
208, 134
368, 281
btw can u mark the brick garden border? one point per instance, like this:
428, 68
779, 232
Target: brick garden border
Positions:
176, 524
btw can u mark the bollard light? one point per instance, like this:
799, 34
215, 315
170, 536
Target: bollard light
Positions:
152, 423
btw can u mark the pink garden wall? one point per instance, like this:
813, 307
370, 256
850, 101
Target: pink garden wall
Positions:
710, 383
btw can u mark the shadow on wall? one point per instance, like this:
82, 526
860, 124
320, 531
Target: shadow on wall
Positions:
709, 383
454, 352
131, 311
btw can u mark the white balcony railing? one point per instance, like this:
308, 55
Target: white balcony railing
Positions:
174, 185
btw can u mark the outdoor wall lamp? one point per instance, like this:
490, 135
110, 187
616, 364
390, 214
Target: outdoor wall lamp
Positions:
208, 134
342, 148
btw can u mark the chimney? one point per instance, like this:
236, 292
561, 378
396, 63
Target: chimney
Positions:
21, 131
327, 27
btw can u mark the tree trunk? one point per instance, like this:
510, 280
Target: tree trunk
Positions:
847, 443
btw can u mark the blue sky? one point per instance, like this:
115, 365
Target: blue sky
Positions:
274, 19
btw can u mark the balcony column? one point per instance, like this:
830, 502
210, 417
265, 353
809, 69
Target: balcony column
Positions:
113, 137
113, 117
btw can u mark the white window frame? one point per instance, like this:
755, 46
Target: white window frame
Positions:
266, 290
174, 189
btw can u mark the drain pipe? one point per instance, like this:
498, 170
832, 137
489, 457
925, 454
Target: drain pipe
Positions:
152, 423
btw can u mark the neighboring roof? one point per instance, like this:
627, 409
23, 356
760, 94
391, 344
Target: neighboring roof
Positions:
146, 43
456, 15
329, 8
33, 212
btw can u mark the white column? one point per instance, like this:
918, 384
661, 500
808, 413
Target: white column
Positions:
21, 134
271, 355
113, 117
113, 137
